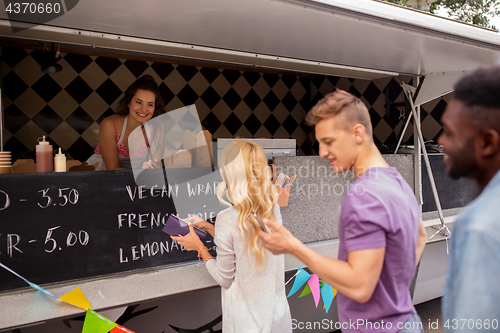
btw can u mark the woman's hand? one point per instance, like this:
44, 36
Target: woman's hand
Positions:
196, 221
190, 241
151, 164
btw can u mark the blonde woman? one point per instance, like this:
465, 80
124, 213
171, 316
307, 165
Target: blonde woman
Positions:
252, 279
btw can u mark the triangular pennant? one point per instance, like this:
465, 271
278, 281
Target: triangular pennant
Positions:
306, 291
77, 298
121, 329
300, 279
313, 283
95, 323
328, 294
40, 289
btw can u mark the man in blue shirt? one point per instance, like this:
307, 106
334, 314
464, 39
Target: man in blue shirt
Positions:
471, 140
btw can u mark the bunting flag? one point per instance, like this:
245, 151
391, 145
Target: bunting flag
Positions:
301, 278
120, 329
327, 293
313, 283
95, 323
76, 298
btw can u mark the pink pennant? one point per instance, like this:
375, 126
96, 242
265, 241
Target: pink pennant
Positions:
313, 283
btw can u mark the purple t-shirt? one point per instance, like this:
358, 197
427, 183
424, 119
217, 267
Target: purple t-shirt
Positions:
380, 210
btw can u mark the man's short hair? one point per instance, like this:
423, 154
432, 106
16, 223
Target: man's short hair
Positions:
340, 102
480, 92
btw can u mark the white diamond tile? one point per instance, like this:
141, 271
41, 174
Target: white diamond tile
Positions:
430, 128
28, 70
243, 132
408, 134
175, 82
261, 88
242, 86
298, 91
299, 135
94, 105
298, 113
174, 104
30, 103
327, 87
281, 133
7, 135
242, 111
28, 135
93, 75
63, 104
203, 109
199, 83
343, 84
431, 104
64, 135
382, 130
222, 111
262, 112
280, 89
150, 71
220, 85
222, 132
382, 83
122, 77
378, 105
263, 133
361, 85
281, 113
91, 135
66, 76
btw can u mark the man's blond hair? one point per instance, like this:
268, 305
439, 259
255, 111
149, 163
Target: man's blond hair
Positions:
341, 103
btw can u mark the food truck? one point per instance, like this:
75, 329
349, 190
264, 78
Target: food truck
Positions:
252, 69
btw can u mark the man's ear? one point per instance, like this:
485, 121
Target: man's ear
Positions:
359, 132
489, 143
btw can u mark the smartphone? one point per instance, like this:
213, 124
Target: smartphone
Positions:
262, 225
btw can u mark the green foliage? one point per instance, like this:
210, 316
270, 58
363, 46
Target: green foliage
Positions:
476, 12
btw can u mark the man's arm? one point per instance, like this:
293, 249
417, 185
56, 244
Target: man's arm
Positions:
422, 239
356, 278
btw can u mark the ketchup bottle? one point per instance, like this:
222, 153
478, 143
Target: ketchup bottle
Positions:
44, 155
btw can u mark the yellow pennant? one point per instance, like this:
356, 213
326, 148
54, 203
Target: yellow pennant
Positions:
76, 298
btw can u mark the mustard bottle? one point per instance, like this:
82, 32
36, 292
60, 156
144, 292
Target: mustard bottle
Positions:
60, 162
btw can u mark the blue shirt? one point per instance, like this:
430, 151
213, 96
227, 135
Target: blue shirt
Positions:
471, 301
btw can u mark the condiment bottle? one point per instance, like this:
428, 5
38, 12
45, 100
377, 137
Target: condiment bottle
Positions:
60, 162
44, 156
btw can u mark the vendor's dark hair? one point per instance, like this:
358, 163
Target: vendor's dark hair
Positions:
481, 87
480, 92
145, 82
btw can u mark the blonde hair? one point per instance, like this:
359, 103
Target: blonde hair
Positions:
247, 184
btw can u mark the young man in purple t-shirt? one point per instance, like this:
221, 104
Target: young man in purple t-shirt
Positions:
381, 234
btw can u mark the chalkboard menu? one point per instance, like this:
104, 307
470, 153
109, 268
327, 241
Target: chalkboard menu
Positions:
66, 226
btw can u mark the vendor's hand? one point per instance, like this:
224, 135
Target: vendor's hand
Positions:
201, 224
151, 164
190, 241
280, 240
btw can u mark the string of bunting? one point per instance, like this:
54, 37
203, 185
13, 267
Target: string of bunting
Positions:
94, 322
312, 286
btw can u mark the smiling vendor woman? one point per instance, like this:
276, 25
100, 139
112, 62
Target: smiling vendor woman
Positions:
142, 101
